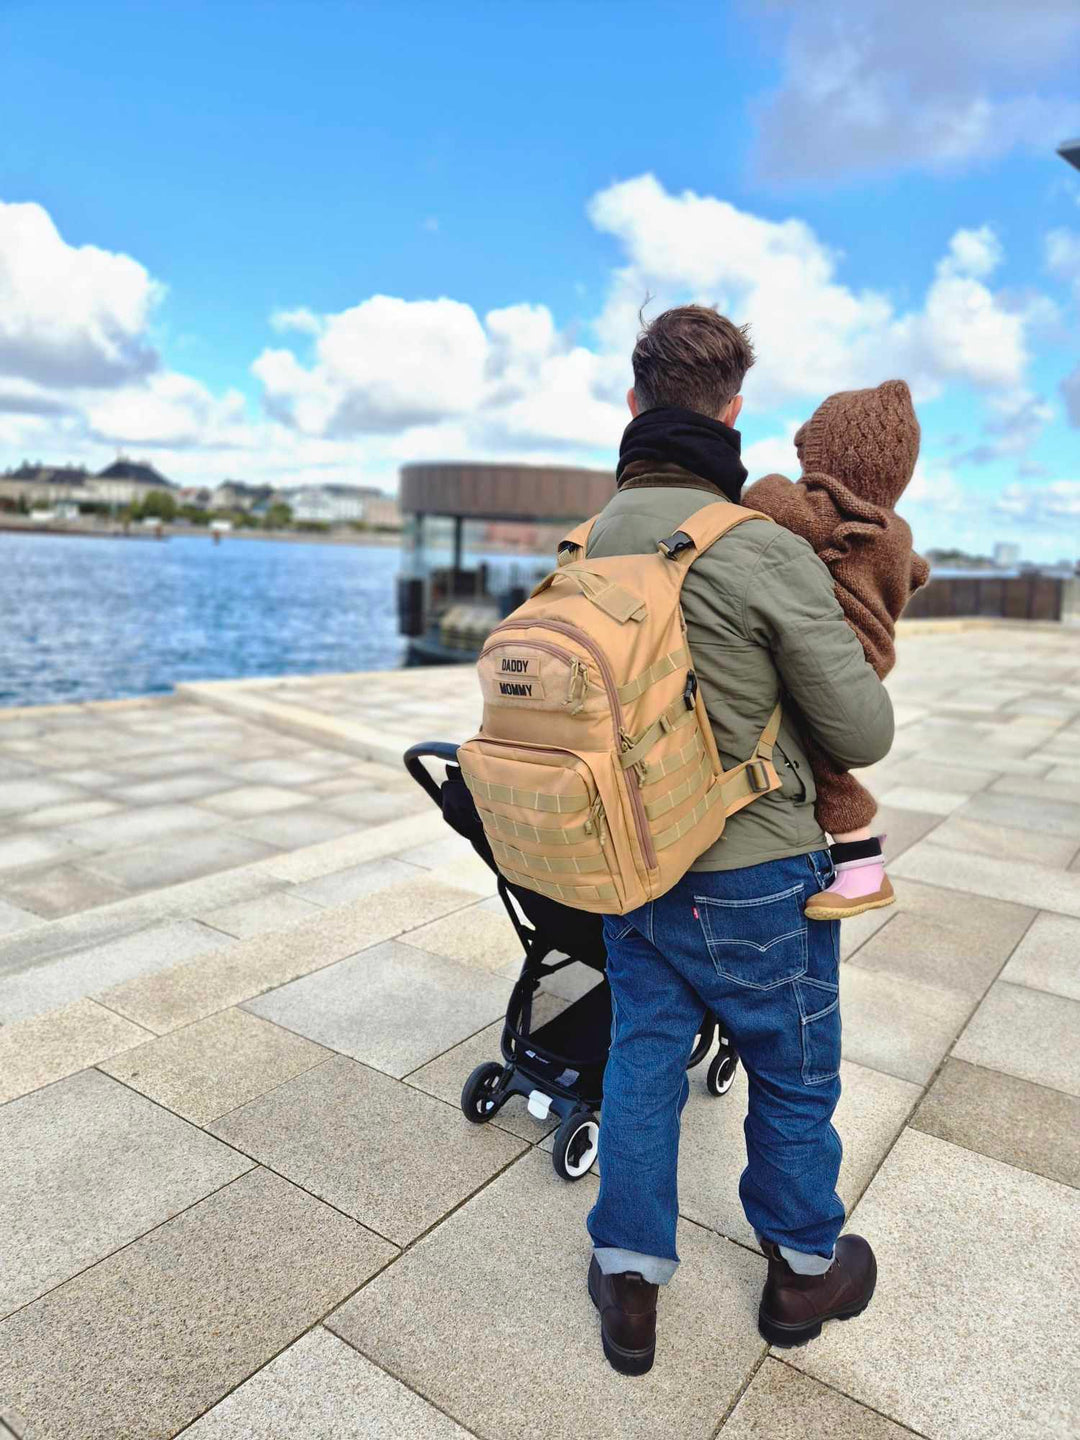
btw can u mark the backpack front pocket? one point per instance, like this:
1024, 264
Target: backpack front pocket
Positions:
759, 942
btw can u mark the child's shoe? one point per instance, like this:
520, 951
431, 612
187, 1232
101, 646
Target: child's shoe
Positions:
860, 884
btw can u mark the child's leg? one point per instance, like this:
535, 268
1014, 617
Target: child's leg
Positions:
844, 808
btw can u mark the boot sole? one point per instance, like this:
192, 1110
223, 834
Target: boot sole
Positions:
786, 1337
835, 912
626, 1362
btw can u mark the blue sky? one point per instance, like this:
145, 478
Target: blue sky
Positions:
303, 241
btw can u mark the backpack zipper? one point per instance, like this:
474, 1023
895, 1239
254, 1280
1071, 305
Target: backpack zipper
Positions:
623, 741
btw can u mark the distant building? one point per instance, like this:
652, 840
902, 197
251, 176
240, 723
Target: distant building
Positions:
127, 482
197, 495
1006, 554
45, 486
341, 505
238, 495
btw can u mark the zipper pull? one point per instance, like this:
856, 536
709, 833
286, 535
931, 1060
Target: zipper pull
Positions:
579, 686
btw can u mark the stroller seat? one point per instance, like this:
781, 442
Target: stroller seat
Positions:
558, 1066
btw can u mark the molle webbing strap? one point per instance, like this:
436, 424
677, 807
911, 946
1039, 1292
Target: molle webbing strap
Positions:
679, 793
520, 831
659, 768
705, 527
764, 748
573, 546
675, 715
688, 821
569, 894
666, 665
528, 799
754, 776
506, 855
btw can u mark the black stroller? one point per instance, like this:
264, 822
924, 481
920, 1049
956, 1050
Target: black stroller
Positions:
559, 1066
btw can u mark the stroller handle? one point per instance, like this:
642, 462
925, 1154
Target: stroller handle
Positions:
414, 759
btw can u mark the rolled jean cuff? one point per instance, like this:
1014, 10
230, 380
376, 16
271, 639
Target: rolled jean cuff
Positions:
653, 1269
803, 1262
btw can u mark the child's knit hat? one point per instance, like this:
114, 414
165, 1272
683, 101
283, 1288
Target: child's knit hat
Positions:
869, 439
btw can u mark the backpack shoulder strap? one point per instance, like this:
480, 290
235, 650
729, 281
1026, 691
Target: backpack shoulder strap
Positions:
573, 546
695, 535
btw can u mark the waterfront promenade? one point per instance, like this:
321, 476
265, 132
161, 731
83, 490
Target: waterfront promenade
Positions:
244, 970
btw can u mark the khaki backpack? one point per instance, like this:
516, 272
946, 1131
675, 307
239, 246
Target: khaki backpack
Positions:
595, 772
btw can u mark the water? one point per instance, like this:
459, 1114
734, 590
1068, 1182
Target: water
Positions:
96, 619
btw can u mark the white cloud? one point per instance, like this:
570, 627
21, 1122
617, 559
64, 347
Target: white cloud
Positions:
167, 410
1048, 505
876, 85
70, 316
303, 320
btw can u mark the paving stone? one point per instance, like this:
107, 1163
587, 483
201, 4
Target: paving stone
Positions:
1048, 817
1052, 787
31, 848
872, 1111
56, 982
276, 911
374, 807
924, 772
88, 1167
856, 931
209, 1068
356, 880
45, 1048
152, 822
981, 837
928, 802
460, 1292
1028, 1033
898, 1026
931, 1203
902, 828
148, 1339
249, 967
69, 813
482, 939
322, 1389
782, 1404
1016, 880
54, 891
446, 1074
944, 939
13, 919
254, 800
354, 849
190, 785
34, 794
1008, 1119
380, 1151
281, 772
391, 1006
89, 778
291, 829
1048, 957
153, 867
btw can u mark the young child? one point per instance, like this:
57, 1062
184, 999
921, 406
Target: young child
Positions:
857, 451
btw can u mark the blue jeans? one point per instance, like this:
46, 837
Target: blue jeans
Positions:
735, 942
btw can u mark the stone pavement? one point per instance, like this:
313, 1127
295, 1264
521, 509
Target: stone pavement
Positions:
244, 970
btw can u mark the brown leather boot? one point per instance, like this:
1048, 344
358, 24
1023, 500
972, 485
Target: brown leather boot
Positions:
627, 1306
794, 1307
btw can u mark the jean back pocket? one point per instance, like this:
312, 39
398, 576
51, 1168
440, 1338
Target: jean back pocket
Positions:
758, 942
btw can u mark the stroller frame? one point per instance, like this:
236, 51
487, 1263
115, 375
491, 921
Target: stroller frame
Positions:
552, 1065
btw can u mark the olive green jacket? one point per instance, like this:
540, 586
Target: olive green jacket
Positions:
763, 623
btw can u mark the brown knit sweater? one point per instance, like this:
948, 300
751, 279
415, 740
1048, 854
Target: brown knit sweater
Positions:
858, 452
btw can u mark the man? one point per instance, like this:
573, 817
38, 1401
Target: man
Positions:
762, 623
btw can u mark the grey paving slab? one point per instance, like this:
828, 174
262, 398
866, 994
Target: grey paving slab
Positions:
1051, 786
925, 800
483, 939
782, 1404
446, 1074
712, 1152
1017, 880
1028, 1033
982, 837
960, 1266
459, 1291
902, 828
355, 849
45, 1048
88, 1167
858, 930
349, 884
1048, 957
56, 982
246, 800
276, 911
1025, 1125
945, 939
53, 891
69, 813
292, 829
90, 777
1048, 817
33, 794
13, 919
898, 1026
322, 1389
151, 822
380, 1151
247, 968
189, 785
30, 847
148, 1339
152, 867
374, 807
281, 772
215, 1065
391, 1006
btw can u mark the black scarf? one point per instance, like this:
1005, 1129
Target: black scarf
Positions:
670, 434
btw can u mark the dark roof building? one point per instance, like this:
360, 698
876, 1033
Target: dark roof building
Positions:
136, 470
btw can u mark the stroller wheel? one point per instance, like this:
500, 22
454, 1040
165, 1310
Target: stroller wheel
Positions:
721, 1074
477, 1103
576, 1142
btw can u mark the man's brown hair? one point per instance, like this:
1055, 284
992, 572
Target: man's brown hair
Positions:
692, 357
